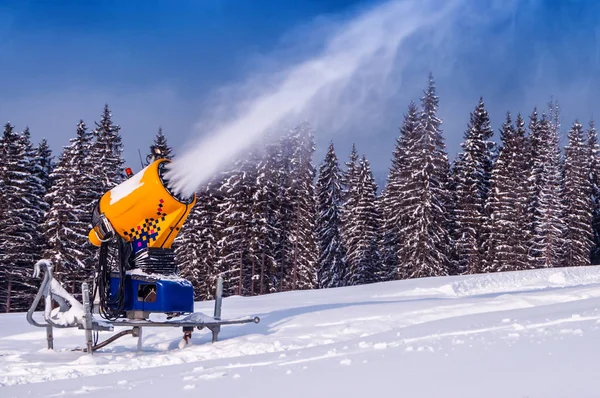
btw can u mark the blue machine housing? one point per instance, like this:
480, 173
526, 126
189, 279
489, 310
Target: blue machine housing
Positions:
154, 294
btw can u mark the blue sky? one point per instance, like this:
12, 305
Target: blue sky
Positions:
156, 63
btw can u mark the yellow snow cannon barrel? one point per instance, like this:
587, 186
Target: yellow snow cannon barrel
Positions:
143, 210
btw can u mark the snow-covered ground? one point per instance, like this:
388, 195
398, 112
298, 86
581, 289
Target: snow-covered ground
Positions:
526, 334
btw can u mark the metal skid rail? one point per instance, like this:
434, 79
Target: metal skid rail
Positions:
199, 324
214, 327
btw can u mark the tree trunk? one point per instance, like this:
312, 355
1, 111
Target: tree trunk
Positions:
262, 275
8, 295
295, 267
252, 278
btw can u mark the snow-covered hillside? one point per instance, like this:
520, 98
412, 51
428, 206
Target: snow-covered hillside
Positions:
526, 334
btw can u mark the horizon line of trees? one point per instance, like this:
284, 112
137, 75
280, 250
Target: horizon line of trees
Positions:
273, 221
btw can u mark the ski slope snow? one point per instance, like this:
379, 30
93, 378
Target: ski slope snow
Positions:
519, 334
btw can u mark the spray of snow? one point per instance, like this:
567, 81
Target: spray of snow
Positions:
355, 61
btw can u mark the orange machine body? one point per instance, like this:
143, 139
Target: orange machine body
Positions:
142, 210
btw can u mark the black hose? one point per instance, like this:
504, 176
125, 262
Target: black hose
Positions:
111, 306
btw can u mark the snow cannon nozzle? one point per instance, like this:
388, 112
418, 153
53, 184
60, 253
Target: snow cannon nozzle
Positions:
164, 179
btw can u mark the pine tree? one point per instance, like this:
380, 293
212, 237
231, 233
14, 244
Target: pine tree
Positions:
235, 215
22, 208
426, 247
68, 221
548, 224
350, 176
8, 193
578, 206
251, 274
472, 181
507, 205
45, 161
35, 207
160, 142
43, 165
535, 149
266, 215
283, 221
349, 186
392, 199
197, 251
593, 159
83, 203
363, 229
107, 154
332, 255
299, 249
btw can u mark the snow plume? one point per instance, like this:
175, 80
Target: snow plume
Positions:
344, 78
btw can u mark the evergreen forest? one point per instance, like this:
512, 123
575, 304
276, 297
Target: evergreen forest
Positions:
280, 220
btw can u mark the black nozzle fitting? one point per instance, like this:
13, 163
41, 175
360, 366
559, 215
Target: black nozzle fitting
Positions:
162, 171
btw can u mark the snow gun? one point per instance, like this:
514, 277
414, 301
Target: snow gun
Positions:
137, 220
142, 216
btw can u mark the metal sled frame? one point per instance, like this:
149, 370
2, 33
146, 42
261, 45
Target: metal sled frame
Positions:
90, 324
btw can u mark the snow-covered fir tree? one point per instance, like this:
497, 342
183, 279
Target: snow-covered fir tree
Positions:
283, 182
424, 251
107, 154
251, 274
9, 157
22, 209
197, 251
160, 142
298, 255
43, 166
394, 194
237, 188
59, 247
107, 157
577, 198
68, 221
265, 232
349, 177
349, 199
472, 173
548, 223
45, 160
332, 255
535, 155
593, 159
84, 200
363, 229
35, 207
506, 245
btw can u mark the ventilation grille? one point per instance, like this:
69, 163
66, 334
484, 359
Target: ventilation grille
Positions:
156, 261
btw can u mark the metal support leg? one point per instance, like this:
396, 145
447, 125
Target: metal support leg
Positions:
50, 337
218, 298
218, 304
137, 331
88, 317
